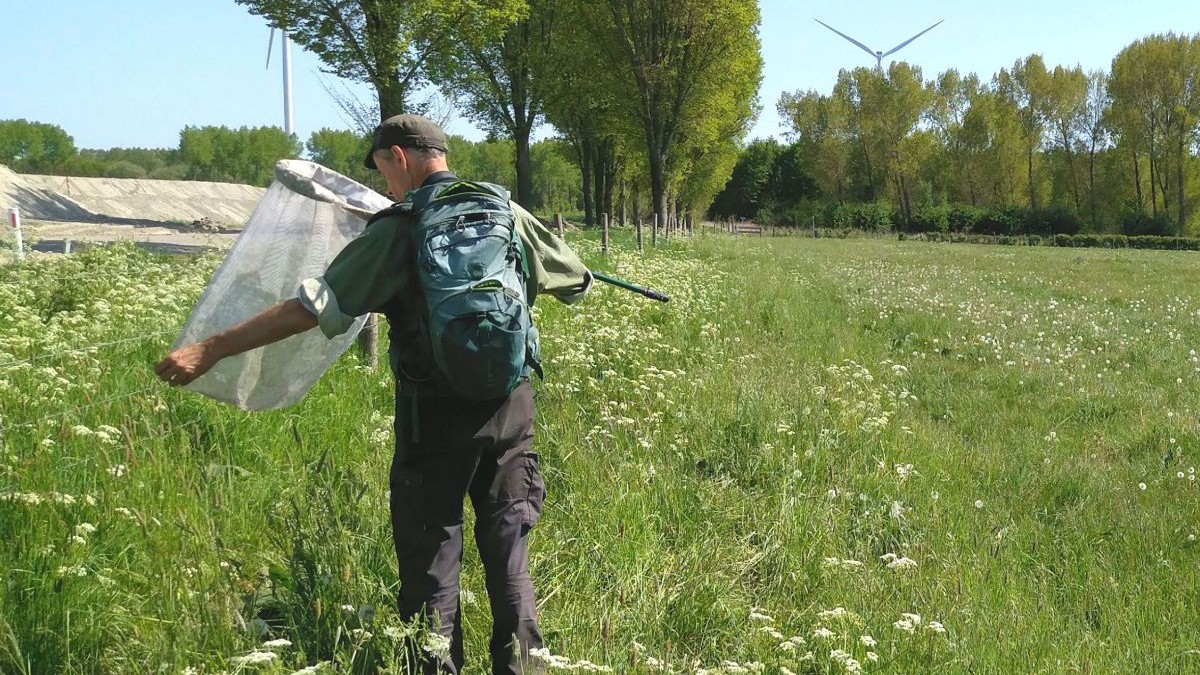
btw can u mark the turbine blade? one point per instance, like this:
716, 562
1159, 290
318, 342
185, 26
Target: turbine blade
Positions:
270, 44
898, 47
860, 45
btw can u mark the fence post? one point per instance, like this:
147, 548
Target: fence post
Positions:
604, 233
814, 226
654, 233
639, 233
14, 219
368, 341
67, 247
558, 222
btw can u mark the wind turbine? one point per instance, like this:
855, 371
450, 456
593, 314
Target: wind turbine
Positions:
879, 55
288, 127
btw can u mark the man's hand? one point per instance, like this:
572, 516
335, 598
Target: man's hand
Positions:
185, 364
284, 320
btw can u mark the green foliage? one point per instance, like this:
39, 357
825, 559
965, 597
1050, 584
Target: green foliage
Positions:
341, 150
747, 189
384, 43
1118, 241
125, 169
34, 147
243, 155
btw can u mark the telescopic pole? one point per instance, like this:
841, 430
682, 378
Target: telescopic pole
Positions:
641, 290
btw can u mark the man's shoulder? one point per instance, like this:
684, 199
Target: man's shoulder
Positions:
397, 210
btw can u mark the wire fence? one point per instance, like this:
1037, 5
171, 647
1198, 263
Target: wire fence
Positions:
156, 387
6, 366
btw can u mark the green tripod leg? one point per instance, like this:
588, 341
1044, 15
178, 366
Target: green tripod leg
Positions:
641, 290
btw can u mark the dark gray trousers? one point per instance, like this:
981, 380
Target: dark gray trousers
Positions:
480, 450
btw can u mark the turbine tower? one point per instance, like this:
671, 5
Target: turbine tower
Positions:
879, 55
285, 47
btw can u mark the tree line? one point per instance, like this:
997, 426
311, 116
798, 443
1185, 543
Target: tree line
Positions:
248, 155
652, 97
1037, 150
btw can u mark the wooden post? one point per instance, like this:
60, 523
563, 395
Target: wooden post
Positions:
368, 341
691, 224
639, 233
654, 233
604, 233
558, 222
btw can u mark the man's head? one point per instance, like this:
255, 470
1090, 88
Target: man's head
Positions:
406, 149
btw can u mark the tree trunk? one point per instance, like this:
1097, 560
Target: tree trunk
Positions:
658, 184
1032, 187
1180, 183
393, 98
1153, 178
524, 168
585, 168
623, 203
1137, 179
598, 171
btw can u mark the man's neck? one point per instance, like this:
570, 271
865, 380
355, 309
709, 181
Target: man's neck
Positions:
443, 174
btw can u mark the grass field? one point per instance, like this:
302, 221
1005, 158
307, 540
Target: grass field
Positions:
822, 456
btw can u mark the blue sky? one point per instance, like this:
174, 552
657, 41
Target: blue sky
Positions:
133, 73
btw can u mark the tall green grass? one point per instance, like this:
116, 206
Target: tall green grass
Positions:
821, 456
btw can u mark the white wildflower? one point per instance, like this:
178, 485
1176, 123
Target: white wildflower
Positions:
437, 645
757, 615
253, 658
276, 644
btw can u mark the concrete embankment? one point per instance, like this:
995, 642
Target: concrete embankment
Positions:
155, 212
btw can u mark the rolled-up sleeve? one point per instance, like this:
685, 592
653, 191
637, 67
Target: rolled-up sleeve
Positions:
554, 268
365, 277
318, 298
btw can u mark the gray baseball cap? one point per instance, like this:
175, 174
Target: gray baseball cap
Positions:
407, 131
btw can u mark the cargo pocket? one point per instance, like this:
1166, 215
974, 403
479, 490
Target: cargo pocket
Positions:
535, 495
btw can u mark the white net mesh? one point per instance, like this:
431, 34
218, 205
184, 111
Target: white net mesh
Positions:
302, 222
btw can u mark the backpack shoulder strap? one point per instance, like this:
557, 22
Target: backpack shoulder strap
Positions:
397, 209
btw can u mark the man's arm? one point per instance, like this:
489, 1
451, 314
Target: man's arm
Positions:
284, 320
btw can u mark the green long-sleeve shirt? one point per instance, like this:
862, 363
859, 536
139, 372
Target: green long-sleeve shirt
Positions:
368, 275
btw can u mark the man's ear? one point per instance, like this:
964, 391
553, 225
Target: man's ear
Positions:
400, 156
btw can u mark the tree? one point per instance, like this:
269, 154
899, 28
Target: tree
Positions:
341, 150
384, 43
1155, 110
34, 147
659, 56
498, 80
746, 189
1024, 89
245, 155
821, 128
1097, 135
1064, 107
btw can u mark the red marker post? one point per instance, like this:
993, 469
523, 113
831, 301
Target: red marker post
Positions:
14, 220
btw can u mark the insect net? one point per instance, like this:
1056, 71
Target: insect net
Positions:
305, 218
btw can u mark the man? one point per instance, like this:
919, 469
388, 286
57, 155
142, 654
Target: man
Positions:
447, 448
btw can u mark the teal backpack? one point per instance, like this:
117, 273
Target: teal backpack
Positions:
472, 270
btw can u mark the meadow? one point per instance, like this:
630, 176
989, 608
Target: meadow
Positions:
822, 456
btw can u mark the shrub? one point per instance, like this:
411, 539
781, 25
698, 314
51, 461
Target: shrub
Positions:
1003, 220
930, 218
963, 218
